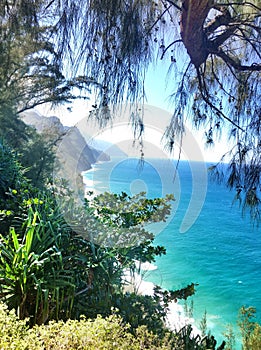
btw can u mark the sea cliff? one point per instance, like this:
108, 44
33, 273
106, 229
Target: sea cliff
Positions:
69, 139
72, 153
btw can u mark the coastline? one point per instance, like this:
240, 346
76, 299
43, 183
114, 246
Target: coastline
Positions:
89, 181
227, 277
176, 317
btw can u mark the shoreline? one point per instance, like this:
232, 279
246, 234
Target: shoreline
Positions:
176, 317
89, 181
217, 298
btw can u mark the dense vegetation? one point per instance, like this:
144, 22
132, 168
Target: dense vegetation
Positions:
49, 273
108, 333
100, 333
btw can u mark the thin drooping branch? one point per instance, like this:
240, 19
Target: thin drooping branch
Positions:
211, 105
218, 80
250, 43
158, 19
171, 44
49, 4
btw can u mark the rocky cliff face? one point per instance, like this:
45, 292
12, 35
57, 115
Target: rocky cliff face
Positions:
71, 145
73, 154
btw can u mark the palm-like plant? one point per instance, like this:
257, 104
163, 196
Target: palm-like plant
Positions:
32, 277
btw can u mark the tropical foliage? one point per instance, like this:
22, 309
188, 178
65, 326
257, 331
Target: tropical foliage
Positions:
250, 329
33, 278
11, 172
49, 272
54, 270
52, 51
100, 333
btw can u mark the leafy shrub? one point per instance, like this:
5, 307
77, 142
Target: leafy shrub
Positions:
250, 330
101, 333
109, 333
254, 341
12, 331
138, 310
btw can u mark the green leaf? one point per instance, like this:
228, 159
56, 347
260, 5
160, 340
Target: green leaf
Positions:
15, 239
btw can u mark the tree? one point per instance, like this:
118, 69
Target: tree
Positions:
30, 74
219, 87
12, 176
111, 45
38, 157
113, 239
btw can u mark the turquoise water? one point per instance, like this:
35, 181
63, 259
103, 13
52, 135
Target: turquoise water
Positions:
220, 251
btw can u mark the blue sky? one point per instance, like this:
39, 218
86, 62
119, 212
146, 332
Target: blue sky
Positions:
158, 87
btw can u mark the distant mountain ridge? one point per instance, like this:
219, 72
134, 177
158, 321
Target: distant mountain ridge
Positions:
74, 147
109, 148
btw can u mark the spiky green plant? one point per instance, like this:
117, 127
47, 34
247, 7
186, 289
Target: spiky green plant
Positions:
32, 277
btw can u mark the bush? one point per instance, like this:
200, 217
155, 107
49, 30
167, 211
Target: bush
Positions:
101, 333
255, 338
14, 334
250, 330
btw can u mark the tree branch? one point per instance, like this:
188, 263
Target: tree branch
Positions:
161, 15
166, 49
238, 4
250, 43
175, 5
218, 80
254, 67
220, 20
49, 5
219, 40
211, 105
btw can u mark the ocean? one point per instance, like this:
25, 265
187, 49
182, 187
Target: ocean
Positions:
208, 241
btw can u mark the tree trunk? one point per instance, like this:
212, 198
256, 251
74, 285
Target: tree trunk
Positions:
193, 16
